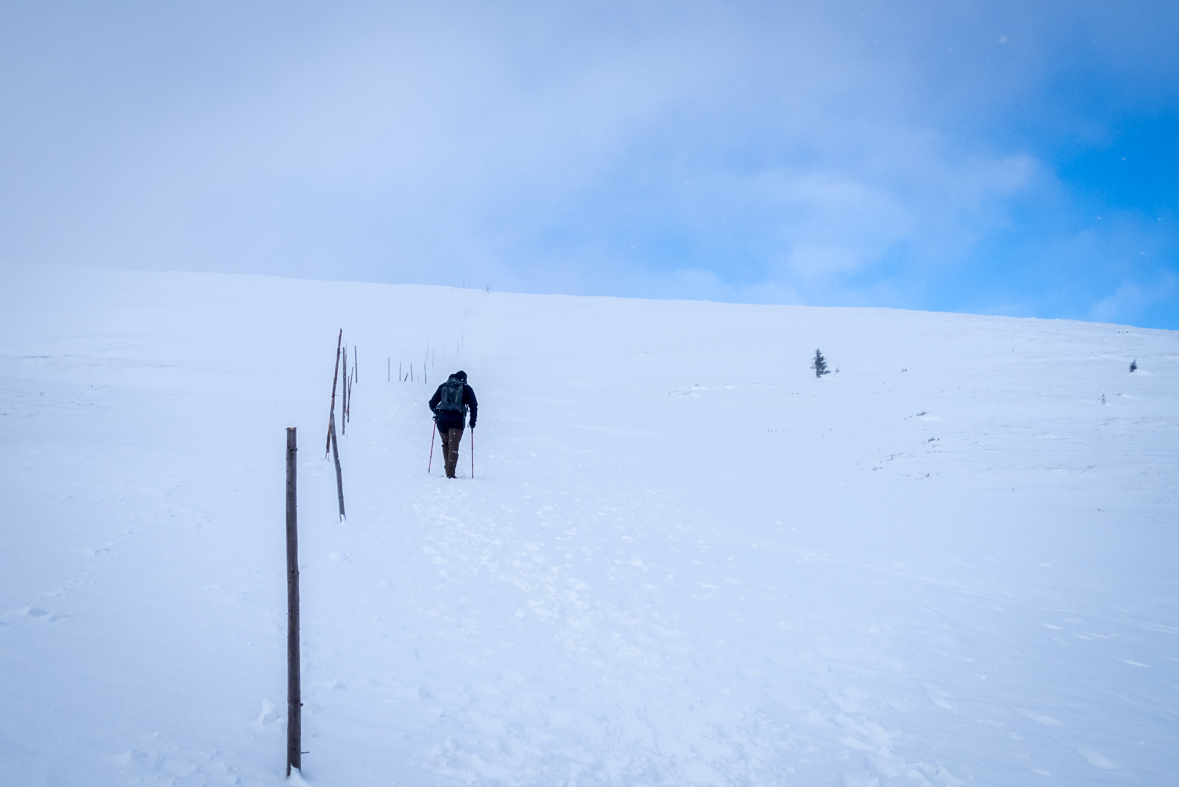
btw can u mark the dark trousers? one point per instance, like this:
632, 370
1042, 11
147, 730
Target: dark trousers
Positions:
450, 447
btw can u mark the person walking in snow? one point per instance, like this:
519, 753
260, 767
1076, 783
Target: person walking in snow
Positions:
449, 405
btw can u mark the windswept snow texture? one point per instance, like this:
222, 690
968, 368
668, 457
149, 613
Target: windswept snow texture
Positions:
683, 560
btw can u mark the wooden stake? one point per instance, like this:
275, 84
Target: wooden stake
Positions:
335, 375
294, 696
339, 475
355, 365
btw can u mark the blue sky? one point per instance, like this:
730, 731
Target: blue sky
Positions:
993, 157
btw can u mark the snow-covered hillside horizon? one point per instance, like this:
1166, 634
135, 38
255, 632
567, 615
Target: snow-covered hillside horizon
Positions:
683, 559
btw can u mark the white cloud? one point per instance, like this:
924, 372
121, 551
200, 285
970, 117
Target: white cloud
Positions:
1131, 299
750, 150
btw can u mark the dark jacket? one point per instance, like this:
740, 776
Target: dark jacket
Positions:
453, 419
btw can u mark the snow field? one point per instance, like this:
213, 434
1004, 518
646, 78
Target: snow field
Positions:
683, 559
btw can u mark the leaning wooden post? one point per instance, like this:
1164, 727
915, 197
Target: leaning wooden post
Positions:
332, 412
336, 456
294, 699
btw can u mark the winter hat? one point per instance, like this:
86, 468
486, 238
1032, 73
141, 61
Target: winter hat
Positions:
461, 375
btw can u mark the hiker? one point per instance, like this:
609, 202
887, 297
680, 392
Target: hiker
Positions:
449, 405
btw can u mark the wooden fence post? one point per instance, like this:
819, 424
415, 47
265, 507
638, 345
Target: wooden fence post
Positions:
332, 412
339, 474
294, 698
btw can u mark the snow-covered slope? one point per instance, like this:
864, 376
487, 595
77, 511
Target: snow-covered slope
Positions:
683, 559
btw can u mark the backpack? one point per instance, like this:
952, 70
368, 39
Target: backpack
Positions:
452, 395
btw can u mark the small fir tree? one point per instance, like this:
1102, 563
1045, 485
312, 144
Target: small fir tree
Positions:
820, 364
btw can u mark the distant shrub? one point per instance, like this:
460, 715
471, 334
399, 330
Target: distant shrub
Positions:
820, 364
1133, 365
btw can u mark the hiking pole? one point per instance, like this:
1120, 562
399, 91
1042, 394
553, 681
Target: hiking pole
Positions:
472, 452
431, 462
